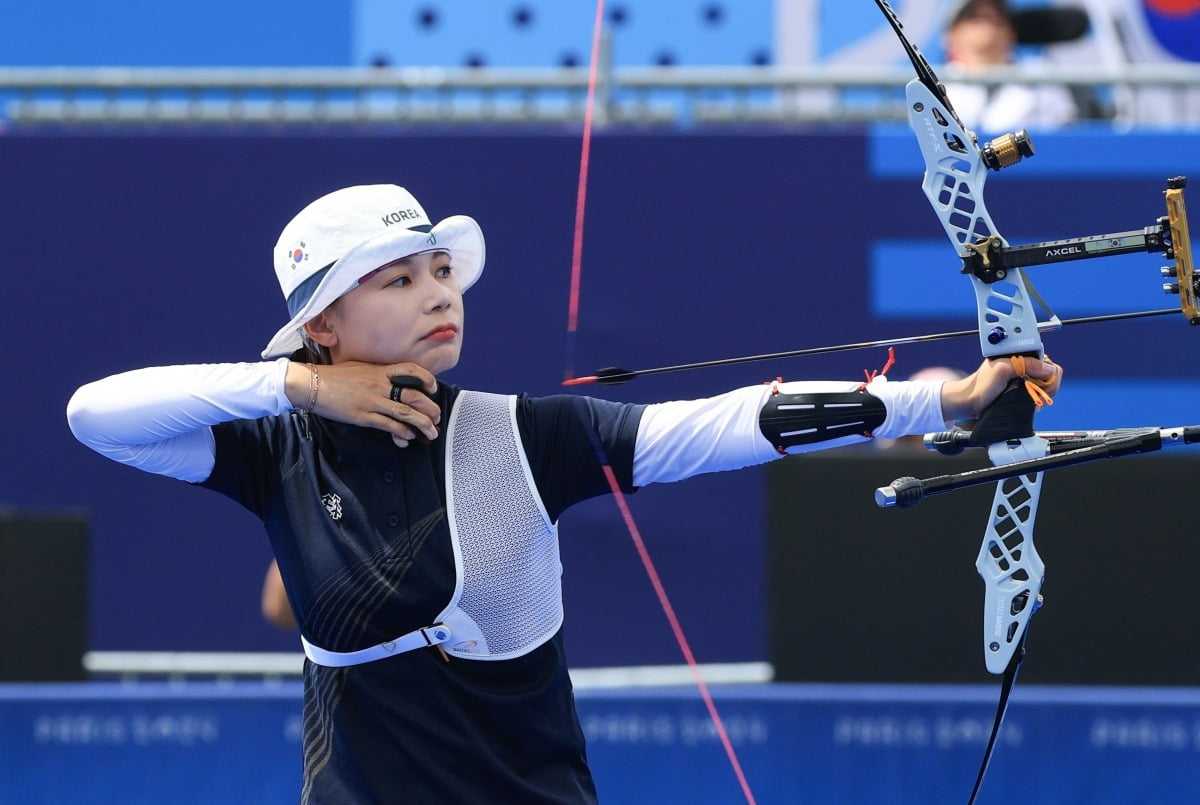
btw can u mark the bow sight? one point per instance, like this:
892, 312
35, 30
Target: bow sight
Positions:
991, 260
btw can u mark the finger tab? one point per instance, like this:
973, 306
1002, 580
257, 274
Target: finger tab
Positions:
402, 382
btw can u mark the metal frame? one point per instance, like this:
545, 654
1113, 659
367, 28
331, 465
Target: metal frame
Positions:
673, 96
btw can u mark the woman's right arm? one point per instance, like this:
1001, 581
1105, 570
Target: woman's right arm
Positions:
159, 419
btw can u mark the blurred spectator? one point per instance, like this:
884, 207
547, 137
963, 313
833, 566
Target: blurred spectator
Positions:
980, 36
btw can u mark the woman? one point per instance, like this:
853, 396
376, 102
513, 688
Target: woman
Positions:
414, 522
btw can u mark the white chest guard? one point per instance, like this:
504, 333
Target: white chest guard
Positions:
508, 596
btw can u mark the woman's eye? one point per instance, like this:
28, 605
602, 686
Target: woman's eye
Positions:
443, 271
401, 281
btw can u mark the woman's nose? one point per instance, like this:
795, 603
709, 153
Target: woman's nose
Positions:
439, 296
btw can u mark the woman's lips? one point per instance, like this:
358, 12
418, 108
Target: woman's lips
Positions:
447, 332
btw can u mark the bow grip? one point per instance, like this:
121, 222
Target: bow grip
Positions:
1010, 416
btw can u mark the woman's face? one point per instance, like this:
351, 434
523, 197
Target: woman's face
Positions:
409, 310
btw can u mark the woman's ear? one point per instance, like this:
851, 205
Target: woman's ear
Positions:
320, 331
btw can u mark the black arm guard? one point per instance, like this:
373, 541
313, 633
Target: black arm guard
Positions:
788, 420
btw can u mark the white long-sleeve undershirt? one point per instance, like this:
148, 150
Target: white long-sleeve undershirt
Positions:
159, 419
677, 440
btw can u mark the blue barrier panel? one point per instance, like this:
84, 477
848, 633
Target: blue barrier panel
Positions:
222, 743
150, 743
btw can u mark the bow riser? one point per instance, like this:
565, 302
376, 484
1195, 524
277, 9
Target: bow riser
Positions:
955, 175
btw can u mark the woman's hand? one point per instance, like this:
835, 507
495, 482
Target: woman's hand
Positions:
967, 398
361, 394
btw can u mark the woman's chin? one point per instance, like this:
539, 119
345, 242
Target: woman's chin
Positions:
440, 359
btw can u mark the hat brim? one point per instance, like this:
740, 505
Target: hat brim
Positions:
458, 235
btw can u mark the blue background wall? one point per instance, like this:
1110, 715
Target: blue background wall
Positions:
127, 250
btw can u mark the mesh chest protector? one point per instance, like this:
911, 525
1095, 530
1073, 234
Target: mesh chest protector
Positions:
508, 595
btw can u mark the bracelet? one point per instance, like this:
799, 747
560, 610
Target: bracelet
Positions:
314, 385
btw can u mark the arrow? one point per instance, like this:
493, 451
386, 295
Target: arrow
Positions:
613, 376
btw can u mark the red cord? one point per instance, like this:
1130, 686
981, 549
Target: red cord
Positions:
891, 361
569, 374
581, 196
680, 638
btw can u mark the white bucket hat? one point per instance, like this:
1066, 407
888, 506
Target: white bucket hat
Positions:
338, 239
